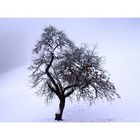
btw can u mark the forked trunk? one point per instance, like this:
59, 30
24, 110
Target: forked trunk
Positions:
58, 116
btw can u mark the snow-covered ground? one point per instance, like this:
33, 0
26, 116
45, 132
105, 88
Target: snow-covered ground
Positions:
18, 103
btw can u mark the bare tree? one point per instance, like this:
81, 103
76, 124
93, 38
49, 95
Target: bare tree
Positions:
61, 68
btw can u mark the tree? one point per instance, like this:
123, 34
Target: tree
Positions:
62, 69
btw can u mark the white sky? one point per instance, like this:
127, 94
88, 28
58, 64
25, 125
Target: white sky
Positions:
18, 36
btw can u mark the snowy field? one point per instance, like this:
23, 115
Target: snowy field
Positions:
18, 103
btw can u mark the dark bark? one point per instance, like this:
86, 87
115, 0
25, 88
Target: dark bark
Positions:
58, 116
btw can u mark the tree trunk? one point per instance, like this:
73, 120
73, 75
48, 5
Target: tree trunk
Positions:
58, 116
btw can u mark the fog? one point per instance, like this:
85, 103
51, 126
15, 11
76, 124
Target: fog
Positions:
118, 41
18, 36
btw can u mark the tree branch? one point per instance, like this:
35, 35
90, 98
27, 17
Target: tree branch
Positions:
70, 92
52, 88
49, 75
59, 83
70, 86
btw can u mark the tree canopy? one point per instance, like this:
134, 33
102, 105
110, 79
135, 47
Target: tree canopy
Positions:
62, 69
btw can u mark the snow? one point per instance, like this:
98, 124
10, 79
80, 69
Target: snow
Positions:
18, 103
